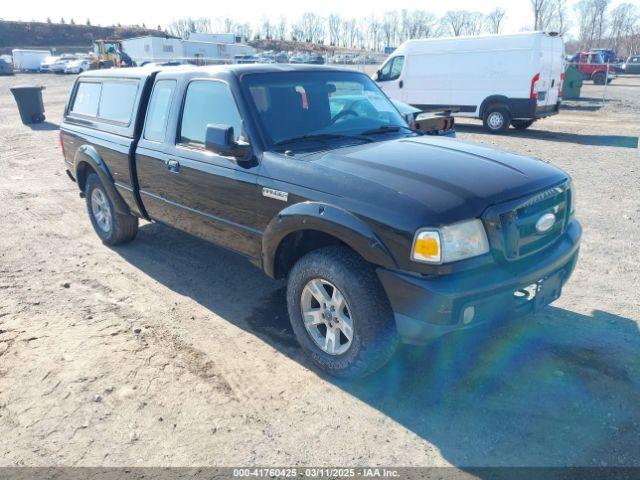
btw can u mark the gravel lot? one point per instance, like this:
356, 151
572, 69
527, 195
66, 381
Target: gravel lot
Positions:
170, 351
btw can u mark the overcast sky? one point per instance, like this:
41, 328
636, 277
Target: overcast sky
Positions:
163, 13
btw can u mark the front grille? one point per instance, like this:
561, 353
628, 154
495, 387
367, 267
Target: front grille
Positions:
512, 227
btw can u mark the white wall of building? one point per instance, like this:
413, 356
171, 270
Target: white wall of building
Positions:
153, 49
213, 37
158, 49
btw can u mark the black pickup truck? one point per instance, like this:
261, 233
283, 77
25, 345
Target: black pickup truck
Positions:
382, 233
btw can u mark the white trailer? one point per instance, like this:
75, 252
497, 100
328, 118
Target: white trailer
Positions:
153, 49
502, 79
213, 37
25, 60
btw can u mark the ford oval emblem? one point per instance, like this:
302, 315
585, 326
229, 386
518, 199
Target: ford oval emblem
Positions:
545, 222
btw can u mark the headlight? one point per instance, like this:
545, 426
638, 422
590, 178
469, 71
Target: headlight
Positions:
451, 243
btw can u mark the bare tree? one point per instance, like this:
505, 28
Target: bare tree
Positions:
390, 28
542, 13
495, 18
185, 26
281, 29
592, 21
560, 22
625, 25
463, 22
267, 29
454, 21
349, 31
334, 23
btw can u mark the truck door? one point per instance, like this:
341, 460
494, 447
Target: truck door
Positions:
182, 184
389, 78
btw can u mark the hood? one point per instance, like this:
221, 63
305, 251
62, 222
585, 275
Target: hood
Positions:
443, 180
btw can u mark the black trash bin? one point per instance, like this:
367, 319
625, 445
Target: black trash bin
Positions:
30, 106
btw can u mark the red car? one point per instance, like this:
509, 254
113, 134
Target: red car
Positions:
593, 67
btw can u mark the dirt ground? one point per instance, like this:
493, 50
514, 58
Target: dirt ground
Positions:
170, 351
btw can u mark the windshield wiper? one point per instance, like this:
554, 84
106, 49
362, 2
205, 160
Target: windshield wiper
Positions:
386, 129
321, 136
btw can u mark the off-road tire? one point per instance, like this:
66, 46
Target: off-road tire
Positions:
374, 333
124, 227
521, 124
496, 109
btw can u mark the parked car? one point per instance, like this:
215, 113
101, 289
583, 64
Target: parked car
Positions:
380, 232
632, 65
45, 65
244, 59
593, 67
5, 67
502, 79
58, 65
77, 66
282, 57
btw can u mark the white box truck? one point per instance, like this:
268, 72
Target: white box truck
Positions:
25, 60
502, 79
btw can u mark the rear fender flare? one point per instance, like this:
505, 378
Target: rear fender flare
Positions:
327, 219
88, 156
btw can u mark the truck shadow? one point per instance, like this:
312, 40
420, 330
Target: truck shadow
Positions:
558, 388
621, 141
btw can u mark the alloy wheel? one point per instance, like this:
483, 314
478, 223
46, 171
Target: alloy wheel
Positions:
327, 317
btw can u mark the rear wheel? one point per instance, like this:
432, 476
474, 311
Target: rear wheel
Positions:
599, 78
340, 313
521, 124
496, 118
112, 227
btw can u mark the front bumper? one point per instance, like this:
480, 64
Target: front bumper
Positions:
426, 307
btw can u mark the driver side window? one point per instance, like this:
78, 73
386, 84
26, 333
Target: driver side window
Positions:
391, 70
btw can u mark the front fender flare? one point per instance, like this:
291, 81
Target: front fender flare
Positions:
328, 219
88, 155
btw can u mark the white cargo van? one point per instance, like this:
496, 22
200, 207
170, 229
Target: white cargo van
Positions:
502, 79
28, 60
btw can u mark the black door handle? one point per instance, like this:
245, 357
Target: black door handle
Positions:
401, 84
173, 166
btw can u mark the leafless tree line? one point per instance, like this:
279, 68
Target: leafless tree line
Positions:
598, 25
371, 32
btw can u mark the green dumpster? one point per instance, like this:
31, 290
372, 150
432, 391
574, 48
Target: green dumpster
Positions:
30, 106
572, 83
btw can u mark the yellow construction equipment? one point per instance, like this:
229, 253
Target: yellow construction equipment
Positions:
108, 53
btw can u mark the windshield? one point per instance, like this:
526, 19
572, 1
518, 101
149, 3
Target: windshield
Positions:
320, 104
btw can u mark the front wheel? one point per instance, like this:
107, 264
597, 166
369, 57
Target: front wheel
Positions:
339, 312
112, 227
496, 118
599, 78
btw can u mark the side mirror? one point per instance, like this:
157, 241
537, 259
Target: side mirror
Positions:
376, 76
220, 139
